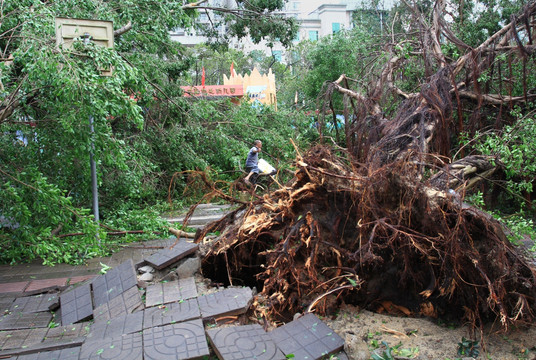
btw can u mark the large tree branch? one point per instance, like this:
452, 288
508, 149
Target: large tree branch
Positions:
464, 173
11, 102
531, 8
374, 107
123, 29
496, 99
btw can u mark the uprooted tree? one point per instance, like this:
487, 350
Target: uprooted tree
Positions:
382, 223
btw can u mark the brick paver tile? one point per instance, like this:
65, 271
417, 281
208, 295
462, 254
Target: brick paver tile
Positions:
46, 284
79, 279
13, 287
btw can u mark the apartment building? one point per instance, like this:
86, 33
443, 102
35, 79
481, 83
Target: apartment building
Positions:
317, 18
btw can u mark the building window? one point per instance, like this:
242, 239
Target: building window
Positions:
336, 27
297, 37
313, 35
296, 5
278, 55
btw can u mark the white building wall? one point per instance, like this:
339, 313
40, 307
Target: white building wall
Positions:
332, 14
313, 15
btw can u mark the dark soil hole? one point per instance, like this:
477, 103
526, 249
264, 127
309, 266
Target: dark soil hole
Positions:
239, 267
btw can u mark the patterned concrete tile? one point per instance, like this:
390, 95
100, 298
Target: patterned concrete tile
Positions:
126, 303
21, 338
244, 342
64, 354
164, 293
171, 313
68, 332
18, 321
172, 254
127, 347
177, 341
114, 282
122, 325
231, 301
36, 303
76, 305
307, 338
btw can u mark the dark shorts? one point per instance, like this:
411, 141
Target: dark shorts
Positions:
255, 169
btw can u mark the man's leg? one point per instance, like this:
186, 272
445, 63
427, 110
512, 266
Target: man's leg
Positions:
246, 179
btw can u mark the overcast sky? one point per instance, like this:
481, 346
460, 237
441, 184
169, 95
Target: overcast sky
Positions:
309, 5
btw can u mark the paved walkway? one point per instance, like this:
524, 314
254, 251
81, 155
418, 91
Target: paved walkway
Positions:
26, 279
112, 319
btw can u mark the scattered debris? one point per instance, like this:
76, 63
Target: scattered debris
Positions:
146, 269
124, 326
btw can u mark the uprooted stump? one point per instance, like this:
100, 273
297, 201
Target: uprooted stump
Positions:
382, 240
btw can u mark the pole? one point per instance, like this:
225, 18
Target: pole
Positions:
93, 165
94, 189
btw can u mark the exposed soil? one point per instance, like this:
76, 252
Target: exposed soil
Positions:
364, 332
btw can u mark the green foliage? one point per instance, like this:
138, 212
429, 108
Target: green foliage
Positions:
515, 148
391, 353
468, 348
475, 21
325, 66
33, 208
521, 226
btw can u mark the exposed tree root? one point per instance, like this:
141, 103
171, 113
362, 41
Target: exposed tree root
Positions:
336, 235
366, 228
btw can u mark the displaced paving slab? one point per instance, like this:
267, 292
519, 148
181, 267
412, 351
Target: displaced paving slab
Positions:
127, 347
244, 342
15, 339
37, 286
126, 303
37, 303
172, 254
76, 305
19, 321
64, 354
164, 293
114, 282
78, 279
231, 301
307, 338
122, 325
171, 313
5, 303
44, 346
68, 332
185, 340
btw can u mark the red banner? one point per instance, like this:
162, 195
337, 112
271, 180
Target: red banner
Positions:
213, 90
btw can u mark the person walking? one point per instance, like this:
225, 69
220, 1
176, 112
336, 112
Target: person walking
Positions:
252, 163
